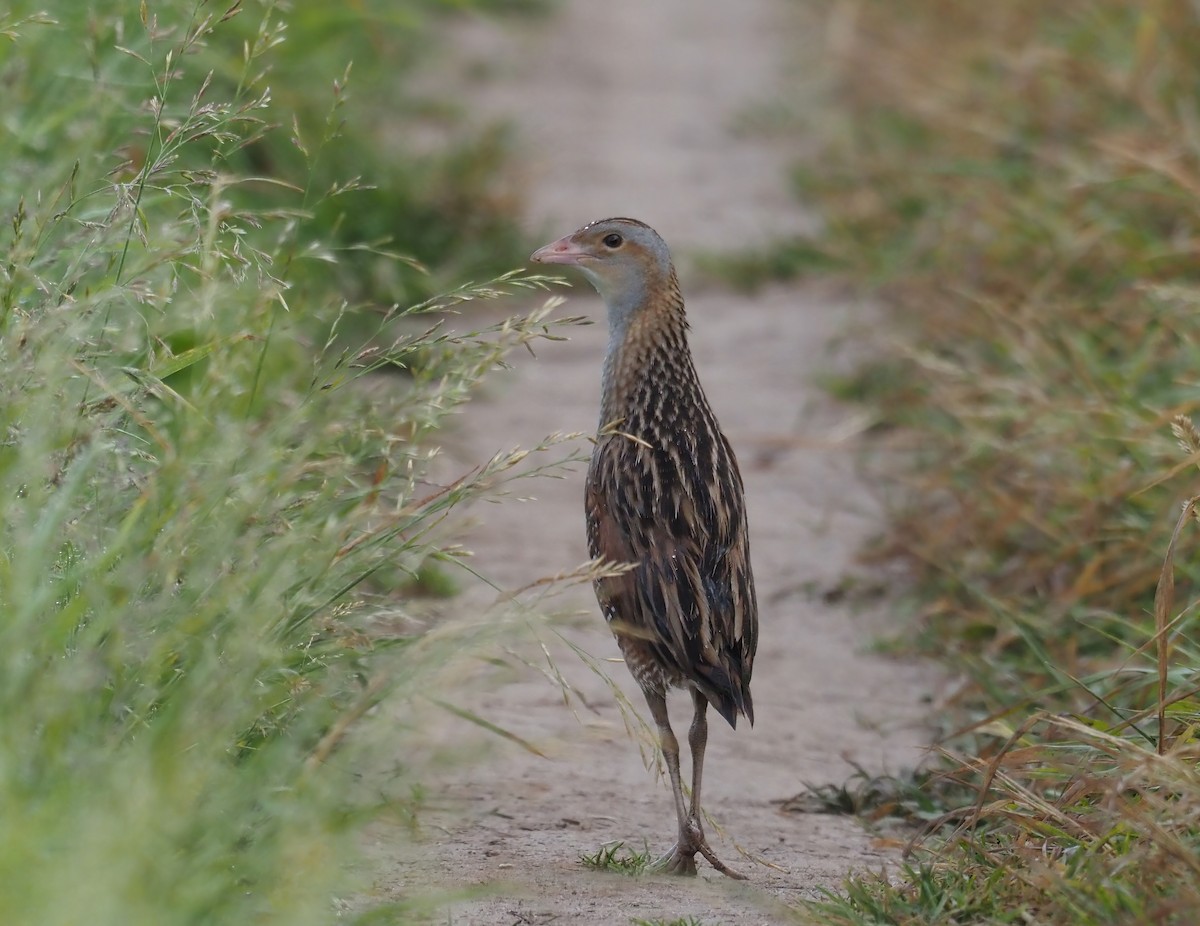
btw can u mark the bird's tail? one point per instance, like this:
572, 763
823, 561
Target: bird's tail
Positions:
730, 696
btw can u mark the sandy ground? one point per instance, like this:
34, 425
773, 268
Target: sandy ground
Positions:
628, 108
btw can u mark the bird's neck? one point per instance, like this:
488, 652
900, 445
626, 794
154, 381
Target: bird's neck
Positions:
647, 331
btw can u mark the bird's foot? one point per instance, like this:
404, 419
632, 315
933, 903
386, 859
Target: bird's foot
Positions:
716, 863
681, 860
677, 862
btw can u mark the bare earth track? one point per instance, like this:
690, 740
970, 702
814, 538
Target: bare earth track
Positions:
626, 108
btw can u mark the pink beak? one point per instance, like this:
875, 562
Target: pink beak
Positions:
562, 251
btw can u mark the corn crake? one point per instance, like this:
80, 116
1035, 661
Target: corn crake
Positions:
664, 494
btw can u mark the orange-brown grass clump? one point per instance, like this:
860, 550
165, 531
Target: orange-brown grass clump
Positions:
1022, 182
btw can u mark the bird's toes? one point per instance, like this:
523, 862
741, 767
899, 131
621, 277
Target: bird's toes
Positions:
706, 850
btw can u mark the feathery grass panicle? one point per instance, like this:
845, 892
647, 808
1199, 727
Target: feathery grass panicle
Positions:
1187, 435
1020, 180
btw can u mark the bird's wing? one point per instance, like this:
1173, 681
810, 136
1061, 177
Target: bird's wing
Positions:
690, 594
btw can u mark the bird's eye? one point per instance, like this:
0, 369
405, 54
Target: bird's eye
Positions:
613, 241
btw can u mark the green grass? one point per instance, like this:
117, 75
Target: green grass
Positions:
926, 894
210, 510
1019, 182
618, 857
678, 921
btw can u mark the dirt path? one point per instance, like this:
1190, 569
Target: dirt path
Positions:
626, 108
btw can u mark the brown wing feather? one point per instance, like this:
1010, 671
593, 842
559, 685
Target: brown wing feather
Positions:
687, 609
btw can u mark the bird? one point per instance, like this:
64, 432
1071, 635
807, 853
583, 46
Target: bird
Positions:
664, 496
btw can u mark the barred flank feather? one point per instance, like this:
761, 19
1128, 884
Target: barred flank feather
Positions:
664, 492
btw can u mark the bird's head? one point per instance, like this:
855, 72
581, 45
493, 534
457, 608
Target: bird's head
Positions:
624, 259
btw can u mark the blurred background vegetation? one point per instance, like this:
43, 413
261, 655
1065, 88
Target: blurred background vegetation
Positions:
216, 232
1020, 182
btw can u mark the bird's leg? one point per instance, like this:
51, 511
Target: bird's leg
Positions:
698, 740
681, 860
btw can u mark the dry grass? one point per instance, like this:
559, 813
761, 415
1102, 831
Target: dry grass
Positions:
1022, 181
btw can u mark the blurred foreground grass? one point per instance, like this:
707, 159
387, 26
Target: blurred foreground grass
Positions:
1022, 182
203, 515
